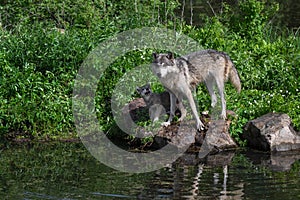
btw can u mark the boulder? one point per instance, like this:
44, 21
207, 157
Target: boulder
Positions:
178, 134
271, 132
217, 138
131, 113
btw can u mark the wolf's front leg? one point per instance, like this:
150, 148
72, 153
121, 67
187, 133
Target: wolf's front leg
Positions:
152, 114
189, 96
172, 110
159, 110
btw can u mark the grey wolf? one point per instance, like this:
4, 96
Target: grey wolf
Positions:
181, 75
157, 103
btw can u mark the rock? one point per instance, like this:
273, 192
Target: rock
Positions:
271, 132
217, 138
131, 113
133, 108
179, 135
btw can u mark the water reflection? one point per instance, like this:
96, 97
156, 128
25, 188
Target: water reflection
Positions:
68, 171
228, 175
276, 161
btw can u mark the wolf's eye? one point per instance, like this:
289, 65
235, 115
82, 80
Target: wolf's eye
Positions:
160, 63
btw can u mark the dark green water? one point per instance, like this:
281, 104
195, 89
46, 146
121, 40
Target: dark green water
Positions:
68, 171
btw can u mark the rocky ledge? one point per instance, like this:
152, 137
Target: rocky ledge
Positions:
271, 132
214, 138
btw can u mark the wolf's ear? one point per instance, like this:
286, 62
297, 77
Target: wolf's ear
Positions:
138, 89
170, 56
154, 55
148, 85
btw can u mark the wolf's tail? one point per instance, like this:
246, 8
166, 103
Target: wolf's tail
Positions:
235, 79
231, 73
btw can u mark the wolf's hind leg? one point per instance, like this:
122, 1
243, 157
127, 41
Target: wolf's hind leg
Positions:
182, 110
210, 87
220, 85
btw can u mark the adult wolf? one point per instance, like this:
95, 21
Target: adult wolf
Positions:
181, 75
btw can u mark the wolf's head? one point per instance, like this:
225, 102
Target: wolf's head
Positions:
163, 64
145, 91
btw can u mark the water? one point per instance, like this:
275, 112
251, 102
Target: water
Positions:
68, 171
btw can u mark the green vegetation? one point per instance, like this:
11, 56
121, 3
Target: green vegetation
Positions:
43, 45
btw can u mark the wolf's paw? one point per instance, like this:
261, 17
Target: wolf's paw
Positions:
181, 119
155, 119
200, 126
166, 124
223, 116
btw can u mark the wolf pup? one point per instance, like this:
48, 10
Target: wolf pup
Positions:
181, 75
157, 103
